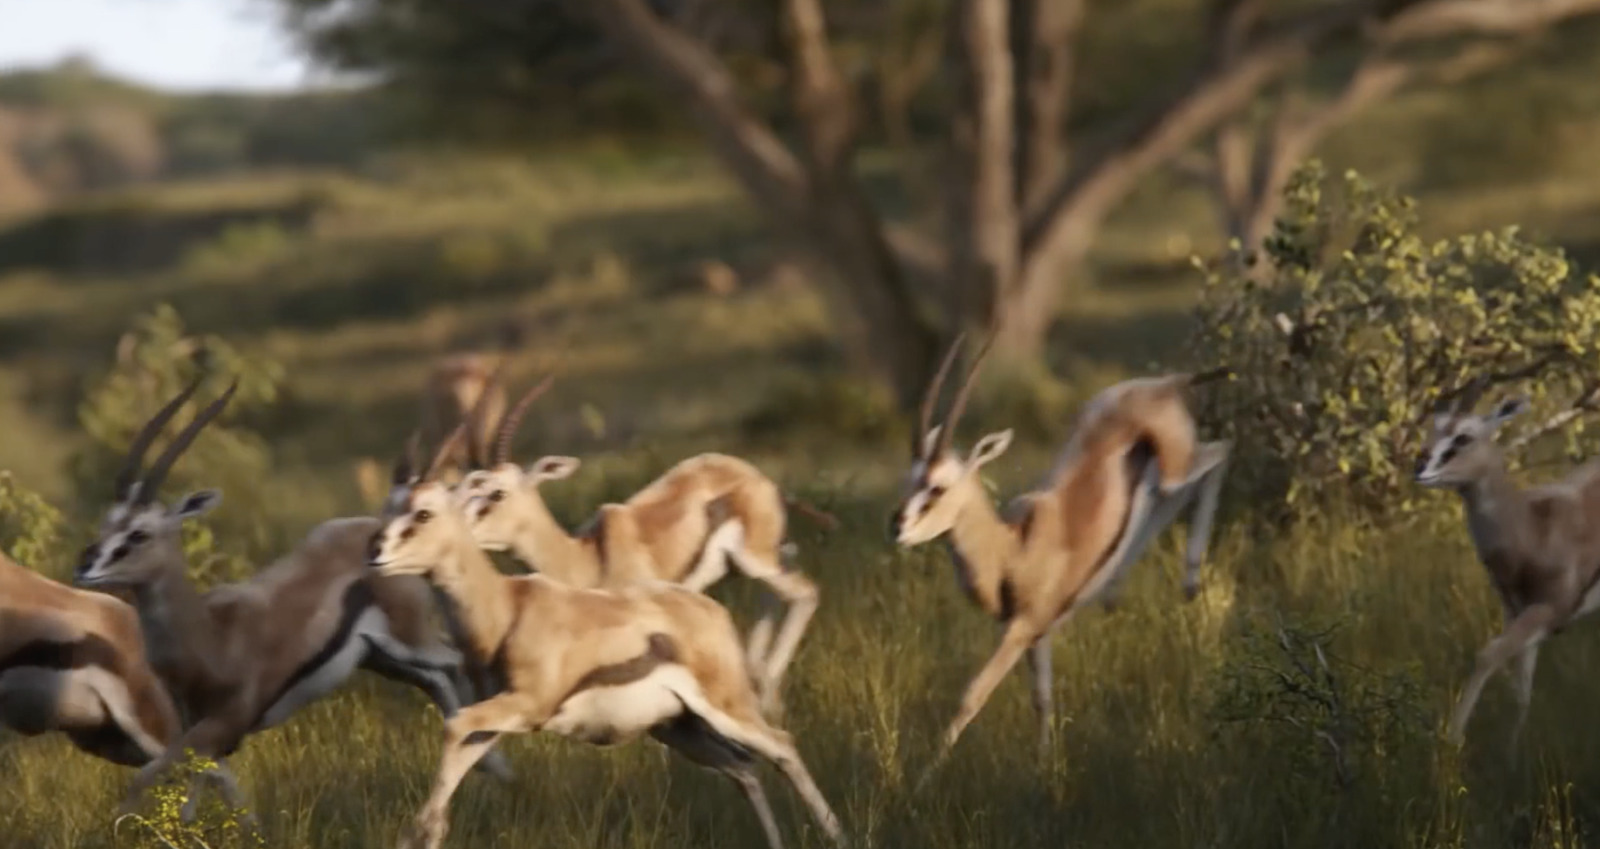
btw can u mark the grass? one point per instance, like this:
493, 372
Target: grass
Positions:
1179, 724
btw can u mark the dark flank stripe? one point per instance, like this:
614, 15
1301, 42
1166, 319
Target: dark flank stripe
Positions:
1139, 456
91, 650
357, 599
661, 650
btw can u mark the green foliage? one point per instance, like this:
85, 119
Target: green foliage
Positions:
1344, 343
842, 407
155, 360
30, 527
162, 824
244, 246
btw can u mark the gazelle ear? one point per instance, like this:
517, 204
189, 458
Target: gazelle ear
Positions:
989, 447
1507, 409
196, 504
552, 469
930, 440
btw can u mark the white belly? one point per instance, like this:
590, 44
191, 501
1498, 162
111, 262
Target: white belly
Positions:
606, 715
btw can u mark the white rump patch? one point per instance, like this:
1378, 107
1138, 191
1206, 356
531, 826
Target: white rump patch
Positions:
606, 715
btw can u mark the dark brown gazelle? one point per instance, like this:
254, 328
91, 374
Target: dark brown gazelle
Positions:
245, 657
1132, 464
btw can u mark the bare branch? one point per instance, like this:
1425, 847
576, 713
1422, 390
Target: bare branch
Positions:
1588, 401
1045, 34
1480, 17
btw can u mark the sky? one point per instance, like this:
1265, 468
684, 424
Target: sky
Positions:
176, 44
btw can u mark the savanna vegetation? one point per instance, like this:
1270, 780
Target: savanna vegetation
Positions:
1298, 701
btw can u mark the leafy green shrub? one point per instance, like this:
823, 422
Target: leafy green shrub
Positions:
840, 406
240, 248
154, 361
30, 527
1344, 343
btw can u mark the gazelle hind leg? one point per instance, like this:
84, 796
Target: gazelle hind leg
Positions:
441, 688
1212, 466
1527, 662
1039, 662
753, 733
692, 737
802, 598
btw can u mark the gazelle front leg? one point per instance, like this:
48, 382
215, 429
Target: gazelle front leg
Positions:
1522, 635
1019, 635
1527, 662
469, 735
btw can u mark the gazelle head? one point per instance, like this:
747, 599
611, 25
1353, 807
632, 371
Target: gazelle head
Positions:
1461, 447
495, 500
940, 480
138, 539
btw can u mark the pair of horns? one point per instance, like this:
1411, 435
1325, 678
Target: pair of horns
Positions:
467, 430
959, 404
150, 481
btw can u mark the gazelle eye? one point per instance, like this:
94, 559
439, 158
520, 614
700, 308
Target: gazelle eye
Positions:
935, 492
422, 517
497, 496
1463, 439
137, 537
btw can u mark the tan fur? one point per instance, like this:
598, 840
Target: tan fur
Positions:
94, 630
663, 532
546, 637
1066, 543
1540, 545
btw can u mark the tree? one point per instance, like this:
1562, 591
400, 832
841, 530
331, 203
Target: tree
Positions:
1026, 186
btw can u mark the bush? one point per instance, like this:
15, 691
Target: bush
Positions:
30, 527
154, 361
1344, 343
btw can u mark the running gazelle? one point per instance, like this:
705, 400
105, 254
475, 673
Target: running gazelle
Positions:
602, 666
1132, 464
686, 528
244, 657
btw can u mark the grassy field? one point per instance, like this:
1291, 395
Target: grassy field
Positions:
1207, 724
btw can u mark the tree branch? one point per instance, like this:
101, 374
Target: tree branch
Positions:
1424, 20
984, 220
1045, 34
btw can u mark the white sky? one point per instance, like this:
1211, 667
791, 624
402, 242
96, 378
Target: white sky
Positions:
178, 44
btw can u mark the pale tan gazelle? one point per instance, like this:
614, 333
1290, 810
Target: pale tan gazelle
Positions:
1540, 545
1132, 464
686, 528
244, 657
600, 666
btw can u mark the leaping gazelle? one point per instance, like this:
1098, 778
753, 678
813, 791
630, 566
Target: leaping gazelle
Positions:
686, 528
1540, 545
244, 657
603, 666
1132, 464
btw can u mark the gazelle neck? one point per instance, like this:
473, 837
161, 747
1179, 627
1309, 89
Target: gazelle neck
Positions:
1494, 509
982, 546
180, 635
544, 544
479, 592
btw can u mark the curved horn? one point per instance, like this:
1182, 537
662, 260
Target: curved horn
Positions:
181, 442
513, 418
445, 447
407, 464
129, 475
925, 423
474, 417
959, 405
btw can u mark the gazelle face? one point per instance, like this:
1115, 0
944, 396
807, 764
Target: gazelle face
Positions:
496, 502
936, 489
137, 543
416, 538
1461, 446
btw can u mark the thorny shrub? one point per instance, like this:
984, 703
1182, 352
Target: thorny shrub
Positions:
1342, 345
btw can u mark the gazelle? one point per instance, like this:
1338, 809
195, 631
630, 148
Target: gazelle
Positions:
1541, 545
1132, 464
74, 661
599, 666
686, 528
244, 657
